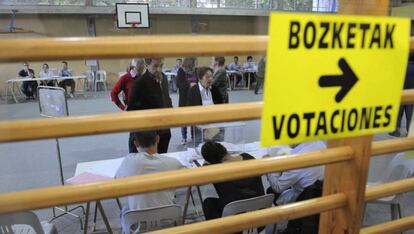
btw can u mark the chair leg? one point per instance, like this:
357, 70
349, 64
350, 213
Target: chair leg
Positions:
274, 228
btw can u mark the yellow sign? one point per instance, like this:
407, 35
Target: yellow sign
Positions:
331, 76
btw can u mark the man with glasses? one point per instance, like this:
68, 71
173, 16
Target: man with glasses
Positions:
150, 91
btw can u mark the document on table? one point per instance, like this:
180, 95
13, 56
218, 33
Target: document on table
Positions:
106, 167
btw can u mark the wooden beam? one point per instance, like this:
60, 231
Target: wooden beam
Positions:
54, 196
350, 177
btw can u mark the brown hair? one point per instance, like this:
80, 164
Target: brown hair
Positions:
201, 71
220, 60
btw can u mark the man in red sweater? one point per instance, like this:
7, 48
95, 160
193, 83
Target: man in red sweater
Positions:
124, 83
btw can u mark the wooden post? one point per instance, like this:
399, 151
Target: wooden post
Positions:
350, 177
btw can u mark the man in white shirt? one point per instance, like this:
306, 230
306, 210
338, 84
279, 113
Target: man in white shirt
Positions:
46, 73
288, 185
146, 161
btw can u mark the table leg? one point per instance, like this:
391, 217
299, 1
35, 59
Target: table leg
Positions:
13, 94
187, 200
105, 219
85, 228
94, 217
248, 81
119, 203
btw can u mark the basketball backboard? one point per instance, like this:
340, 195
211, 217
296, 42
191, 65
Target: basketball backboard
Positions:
132, 15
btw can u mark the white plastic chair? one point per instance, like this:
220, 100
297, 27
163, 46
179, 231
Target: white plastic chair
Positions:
396, 170
90, 80
100, 78
24, 222
248, 205
151, 219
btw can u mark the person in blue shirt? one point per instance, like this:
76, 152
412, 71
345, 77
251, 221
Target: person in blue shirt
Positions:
65, 71
236, 70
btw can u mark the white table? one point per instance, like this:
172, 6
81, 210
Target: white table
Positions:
13, 84
189, 159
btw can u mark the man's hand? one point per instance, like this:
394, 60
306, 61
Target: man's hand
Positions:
192, 84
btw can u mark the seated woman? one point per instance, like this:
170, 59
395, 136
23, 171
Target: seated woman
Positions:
228, 191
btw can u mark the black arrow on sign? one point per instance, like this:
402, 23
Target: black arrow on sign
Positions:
347, 80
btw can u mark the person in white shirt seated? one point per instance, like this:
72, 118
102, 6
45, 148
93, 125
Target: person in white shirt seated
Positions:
46, 73
250, 69
147, 161
288, 185
298, 185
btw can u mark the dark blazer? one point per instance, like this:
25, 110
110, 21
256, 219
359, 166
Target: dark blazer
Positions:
183, 87
194, 96
147, 93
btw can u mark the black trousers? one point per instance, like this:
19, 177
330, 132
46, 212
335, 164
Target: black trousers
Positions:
29, 88
406, 110
165, 136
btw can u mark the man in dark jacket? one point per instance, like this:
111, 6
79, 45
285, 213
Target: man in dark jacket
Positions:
150, 91
220, 77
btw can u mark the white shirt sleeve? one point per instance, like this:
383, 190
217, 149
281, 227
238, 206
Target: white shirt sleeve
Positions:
282, 181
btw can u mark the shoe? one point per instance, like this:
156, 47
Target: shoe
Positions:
395, 133
71, 95
183, 141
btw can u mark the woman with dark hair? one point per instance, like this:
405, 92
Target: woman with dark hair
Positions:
204, 92
186, 78
229, 191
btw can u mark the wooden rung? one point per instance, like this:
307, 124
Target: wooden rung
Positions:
392, 145
47, 49
388, 189
54, 196
262, 217
395, 226
407, 96
19, 130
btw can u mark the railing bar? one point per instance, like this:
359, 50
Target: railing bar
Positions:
111, 47
407, 96
131, 46
395, 226
388, 189
48, 197
393, 145
262, 217
19, 130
